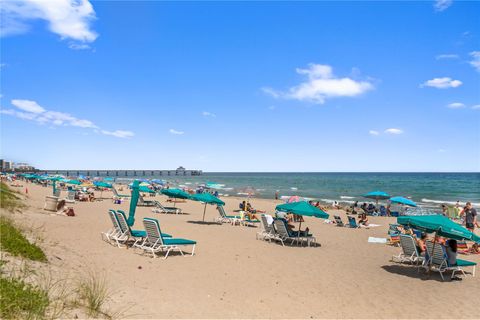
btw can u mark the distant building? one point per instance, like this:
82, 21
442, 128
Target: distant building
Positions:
23, 167
7, 166
180, 171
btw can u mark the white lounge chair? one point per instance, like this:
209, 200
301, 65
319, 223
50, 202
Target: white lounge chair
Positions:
159, 208
155, 241
284, 235
409, 251
115, 231
268, 232
224, 218
438, 260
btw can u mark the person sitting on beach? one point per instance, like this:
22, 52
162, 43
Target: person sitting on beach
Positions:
363, 219
292, 232
421, 245
370, 208
91, 197
251, 210
243, 206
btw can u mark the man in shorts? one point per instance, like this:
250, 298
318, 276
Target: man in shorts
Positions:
470, 216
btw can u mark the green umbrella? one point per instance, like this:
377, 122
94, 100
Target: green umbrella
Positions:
102, 184
75, 182
145, 189
133, 203
302, 208
176, 194
207, 198
439, 224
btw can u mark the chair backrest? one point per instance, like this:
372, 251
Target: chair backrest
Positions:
115, 192
122, 221
408, 245
112, 214
71, 195
338, 220
281, 228
436, 254
140, 199
383, 211
152, 228
352, 222
221, 210
393, 229
268, 227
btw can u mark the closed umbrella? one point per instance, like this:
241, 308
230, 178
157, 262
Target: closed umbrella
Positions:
302, 208
207, 198
133, 203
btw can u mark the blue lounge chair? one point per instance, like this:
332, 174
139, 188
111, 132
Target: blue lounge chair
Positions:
156, 241
352, 223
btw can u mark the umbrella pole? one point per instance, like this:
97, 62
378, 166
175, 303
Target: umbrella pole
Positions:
298, 234
204, 209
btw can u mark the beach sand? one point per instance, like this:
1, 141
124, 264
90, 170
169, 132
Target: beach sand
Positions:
233, 275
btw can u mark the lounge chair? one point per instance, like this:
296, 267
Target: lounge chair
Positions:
117, 195
224, 218
352, 223
156, 241
409, 250
128, 234
159, 208
284, 235
145, 203
338, 221
268, 232
115, 231
438, 260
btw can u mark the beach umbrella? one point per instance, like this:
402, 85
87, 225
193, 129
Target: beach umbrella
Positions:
157, 181
75, 182
206, 198
109, 179
402, 200
145, 189
439, 224
133, 203
302, 208
175, 194
377, 195
293, 199
102, 185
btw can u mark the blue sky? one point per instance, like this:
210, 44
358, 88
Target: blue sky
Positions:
242, 86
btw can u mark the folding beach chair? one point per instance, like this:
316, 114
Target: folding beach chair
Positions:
115, 231
268, 232
338, 221
224, 218
409, 250
438, 260
145, 203
155, 241
284, 235
159, 208
352, 223
129, 234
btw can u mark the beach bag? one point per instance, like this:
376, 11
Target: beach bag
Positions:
70, 212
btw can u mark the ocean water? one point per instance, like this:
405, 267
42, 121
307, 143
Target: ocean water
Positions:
427, 189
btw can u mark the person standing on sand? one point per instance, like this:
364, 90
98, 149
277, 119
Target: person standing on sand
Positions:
276, 195
470, 217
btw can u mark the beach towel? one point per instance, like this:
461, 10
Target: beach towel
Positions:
377, 240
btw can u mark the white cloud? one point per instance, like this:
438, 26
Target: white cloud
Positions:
173, 131
456, 105
68, 18
476, 107
442, 83
31, 110
321, 85
441, 5
118, 133
76, 46
28, 105
475, 62
208, 114
373, 133
447, 56
394, 131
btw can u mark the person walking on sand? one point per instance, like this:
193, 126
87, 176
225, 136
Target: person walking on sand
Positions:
470, 215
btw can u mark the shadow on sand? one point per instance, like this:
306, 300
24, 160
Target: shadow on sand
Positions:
412, 271
208, 223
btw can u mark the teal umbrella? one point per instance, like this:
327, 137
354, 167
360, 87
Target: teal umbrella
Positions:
377, 195
109, 179
175, 194
133, 203
146, 189
54, 180
102, 184
302, 208
402, 200
439, 224
75, 182
207, 198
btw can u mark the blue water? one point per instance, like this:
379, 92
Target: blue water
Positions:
427, 189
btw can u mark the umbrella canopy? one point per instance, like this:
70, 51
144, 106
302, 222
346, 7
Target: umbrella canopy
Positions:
109, 179
158, 181
102, 184
402, 200
75, 182
145, 189
302, 208
133, 203
293, 199
175, 193
207, 198
377, 195
439, 224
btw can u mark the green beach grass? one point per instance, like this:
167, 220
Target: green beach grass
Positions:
9, 200
19, 300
